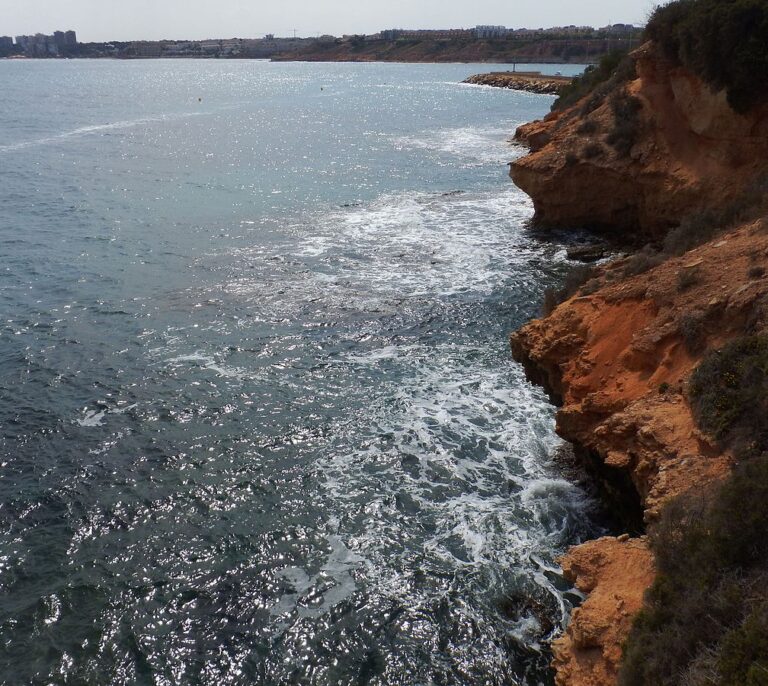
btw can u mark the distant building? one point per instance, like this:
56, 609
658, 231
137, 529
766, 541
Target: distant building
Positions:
146, 49
6, 43
390, 34
491, 31
420, 34
41, 45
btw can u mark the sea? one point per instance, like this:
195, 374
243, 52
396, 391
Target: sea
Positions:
259, 421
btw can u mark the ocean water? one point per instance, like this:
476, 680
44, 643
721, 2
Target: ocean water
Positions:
258, 419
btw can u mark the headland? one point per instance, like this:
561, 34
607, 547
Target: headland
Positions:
657, 358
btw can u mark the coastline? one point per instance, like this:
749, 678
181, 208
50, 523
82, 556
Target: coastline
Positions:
617, 354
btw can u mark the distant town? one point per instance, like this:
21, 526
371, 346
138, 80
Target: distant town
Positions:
571, 39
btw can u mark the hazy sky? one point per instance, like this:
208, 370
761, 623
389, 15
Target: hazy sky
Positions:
96, 20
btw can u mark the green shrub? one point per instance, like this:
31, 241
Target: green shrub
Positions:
626, 113
587, 127
591, 151
724, 42
615, 66
694, 230
700, 227
743, 658
642, 261
729, 395
692, 331
571, 158
704, 620
687, 278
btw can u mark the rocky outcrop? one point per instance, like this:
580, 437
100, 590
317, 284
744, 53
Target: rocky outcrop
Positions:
633, 161
617, 362
614, 572
531, 83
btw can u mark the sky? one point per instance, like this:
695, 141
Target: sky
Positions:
101, 20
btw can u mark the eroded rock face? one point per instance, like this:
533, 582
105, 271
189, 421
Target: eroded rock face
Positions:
615, 574
690, 151
618, 362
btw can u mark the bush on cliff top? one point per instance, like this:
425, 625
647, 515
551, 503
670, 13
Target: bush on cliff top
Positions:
724, 42
729, 395
705, 616
615, 65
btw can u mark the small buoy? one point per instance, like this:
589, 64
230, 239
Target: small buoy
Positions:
199, 99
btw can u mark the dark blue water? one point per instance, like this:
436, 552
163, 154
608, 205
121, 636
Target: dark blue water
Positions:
259, 420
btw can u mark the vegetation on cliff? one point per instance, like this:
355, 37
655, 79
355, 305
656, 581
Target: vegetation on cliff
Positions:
705, 616
721, 41
613, 68
696, 34
729, 395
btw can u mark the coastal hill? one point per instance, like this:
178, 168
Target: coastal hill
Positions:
658, 359
570, 44
493, 50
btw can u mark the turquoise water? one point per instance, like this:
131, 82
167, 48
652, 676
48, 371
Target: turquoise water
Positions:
259, 420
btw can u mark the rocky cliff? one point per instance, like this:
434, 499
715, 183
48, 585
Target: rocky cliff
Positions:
617, 361
633, 159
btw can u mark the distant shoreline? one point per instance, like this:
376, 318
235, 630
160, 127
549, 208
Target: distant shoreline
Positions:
17, 58
539, 49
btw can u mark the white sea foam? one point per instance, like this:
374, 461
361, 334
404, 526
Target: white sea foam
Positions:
480, 145
94, 129
198, 359
92, 418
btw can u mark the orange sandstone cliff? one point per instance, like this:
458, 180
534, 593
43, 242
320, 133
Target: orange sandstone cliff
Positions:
617, 357
618, 361
688, 150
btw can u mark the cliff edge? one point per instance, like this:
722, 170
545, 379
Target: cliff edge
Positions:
632, 159
618, 362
